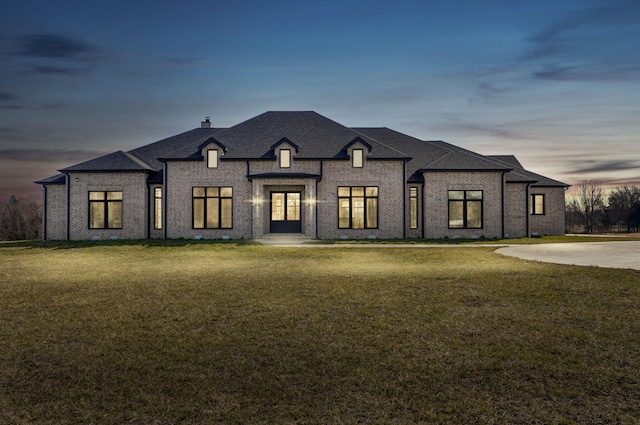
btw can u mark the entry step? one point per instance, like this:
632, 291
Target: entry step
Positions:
282, 239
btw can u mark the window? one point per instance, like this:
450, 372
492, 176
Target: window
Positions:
413, 207
536, 207
357, 207
157, 208
105, 210
357, 156
212, 207
212, 158
285, 158
465, 209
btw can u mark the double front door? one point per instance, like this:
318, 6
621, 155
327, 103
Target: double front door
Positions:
285, 212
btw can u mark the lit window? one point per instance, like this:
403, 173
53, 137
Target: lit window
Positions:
285, 158
413, 207
357, 157
536, 206
465, 209
212, 207
212, 158
357, 207
105, 210
157, 208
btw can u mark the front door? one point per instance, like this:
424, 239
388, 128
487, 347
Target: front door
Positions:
285, 212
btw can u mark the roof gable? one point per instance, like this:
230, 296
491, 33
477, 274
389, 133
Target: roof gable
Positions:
315, 136
284, 141
116, 161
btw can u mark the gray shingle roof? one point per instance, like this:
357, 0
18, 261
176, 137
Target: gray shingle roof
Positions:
182, 144
57, 179
316, 137
519, 174
116, 161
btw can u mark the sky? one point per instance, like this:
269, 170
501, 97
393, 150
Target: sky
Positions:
554, 82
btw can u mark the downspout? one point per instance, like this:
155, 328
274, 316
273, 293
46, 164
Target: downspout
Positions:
148, 210
44, 214
424, 185
68, 178
165, 200
253, 207
404, 199
316, 205
526, 209
503, 201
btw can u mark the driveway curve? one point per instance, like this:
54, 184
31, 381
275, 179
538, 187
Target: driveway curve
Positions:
619, 255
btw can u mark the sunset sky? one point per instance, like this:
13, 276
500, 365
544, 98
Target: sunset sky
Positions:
557, 83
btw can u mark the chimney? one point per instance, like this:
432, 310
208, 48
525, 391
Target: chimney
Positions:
206, 123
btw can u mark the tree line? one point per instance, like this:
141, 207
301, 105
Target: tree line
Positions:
21, 220
591, 210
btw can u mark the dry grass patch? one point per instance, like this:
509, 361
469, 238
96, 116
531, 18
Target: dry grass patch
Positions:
209, 333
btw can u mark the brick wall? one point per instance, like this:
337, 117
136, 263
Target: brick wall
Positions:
436, 203
515, 210
182, 176
386, 175
56, 212
134, 204
552, 222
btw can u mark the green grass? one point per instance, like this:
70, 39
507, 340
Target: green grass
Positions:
200, 333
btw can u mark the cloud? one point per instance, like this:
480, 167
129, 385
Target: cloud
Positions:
6, 96
582, 29
456, 125
56, 70
593, 44
186, 61
55, 46
596, 166
48, 155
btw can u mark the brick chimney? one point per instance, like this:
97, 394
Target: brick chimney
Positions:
206, 123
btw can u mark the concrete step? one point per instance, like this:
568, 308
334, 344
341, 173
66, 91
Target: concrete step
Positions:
282, 239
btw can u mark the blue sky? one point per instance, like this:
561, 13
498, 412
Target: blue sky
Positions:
557, 83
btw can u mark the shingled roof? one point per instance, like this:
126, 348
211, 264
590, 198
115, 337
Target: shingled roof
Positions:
116, 161
315, 137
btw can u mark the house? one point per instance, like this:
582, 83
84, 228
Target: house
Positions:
299, 173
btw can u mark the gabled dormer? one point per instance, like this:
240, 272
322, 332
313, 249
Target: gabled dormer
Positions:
357, 150
284, 151
212, 150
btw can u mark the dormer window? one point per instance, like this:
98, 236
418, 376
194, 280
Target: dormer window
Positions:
285, 158
212, 158
357, 156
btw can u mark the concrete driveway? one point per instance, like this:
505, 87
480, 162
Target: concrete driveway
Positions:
620, 255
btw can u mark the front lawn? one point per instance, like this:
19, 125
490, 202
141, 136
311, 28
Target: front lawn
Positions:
209, 333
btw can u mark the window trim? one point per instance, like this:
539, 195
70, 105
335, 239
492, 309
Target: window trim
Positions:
157, 208
357, 158
365, 198
205, 197
106, 201
465, 205
285, 158
212, 158
413, 208
532, 204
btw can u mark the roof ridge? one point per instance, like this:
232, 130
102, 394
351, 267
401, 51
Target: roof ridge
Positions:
379, 142
469, 152
137, 160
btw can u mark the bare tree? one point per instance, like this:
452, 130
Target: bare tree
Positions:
588, 205
622, 203
20, 220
